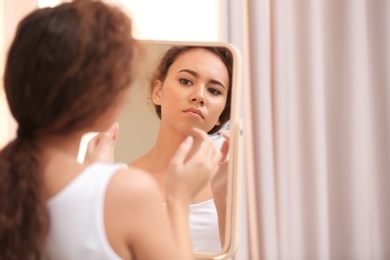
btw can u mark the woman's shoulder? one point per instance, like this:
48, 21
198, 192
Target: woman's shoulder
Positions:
131, 199
132, 191
131, 181
130, 194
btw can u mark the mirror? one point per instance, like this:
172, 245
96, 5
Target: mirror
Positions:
138, 129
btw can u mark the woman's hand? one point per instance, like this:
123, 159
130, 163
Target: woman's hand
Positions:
219, 181
219, 186
101, 147
194, 164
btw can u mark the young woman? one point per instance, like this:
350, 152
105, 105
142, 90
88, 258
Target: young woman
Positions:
191, 87
66, 74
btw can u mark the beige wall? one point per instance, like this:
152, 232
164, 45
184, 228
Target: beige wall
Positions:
11, 12
138, 125
3, 111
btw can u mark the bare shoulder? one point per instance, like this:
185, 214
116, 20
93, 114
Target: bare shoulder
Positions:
131, 198
132, 191
136, 218
127, 183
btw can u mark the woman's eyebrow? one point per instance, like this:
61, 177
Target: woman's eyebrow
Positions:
196, 75
193, 73
217, 82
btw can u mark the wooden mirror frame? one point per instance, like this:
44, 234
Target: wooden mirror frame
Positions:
235, 149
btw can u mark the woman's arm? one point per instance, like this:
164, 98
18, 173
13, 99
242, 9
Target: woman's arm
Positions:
186, 177
134, 205
136, 221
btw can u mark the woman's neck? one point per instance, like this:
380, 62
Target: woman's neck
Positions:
166, 146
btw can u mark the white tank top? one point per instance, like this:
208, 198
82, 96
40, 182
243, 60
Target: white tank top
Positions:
203, 221
76, 217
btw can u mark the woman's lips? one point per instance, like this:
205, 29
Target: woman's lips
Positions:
194, 111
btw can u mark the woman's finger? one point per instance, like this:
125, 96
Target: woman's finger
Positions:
183, 151
225, 150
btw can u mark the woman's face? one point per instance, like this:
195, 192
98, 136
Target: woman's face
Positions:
194, 92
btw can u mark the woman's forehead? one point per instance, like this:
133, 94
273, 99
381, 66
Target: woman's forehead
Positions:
203, 62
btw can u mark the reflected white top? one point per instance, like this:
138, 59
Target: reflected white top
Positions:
204, 227
76, 217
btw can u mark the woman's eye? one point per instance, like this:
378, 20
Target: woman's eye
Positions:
186, 81
214, 91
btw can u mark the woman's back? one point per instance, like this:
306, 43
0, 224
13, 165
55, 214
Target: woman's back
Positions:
100, 211
67, 73
103, 212
77, 228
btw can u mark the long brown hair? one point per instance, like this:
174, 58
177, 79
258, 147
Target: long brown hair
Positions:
65, 67
169, 57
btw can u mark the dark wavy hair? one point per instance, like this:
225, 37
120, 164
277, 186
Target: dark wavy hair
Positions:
64, 69
161, 71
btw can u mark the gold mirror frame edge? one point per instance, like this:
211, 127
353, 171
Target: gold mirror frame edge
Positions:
235, 150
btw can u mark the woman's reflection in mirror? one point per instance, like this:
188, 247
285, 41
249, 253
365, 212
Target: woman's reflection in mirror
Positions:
67, 73
191, 87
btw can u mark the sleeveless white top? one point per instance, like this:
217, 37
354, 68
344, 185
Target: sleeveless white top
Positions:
76, 217
204, 230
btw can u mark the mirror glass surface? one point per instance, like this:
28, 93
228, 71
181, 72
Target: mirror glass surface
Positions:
138, 130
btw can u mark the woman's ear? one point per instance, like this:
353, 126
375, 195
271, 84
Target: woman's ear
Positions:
156, 93
218, 123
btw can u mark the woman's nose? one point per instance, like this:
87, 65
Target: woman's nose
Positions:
198, 95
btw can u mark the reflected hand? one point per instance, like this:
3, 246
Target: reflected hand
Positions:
219, 181
101, 147
219, 187
194, 164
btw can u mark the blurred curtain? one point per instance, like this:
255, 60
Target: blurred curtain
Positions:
320, 91
234, 30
